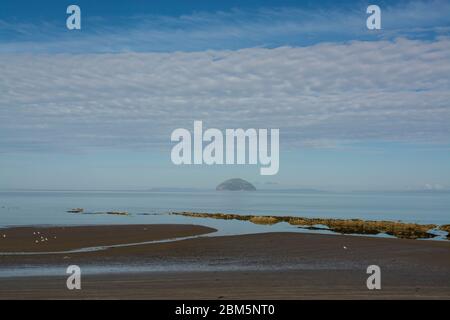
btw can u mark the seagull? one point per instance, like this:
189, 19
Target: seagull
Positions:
345, 248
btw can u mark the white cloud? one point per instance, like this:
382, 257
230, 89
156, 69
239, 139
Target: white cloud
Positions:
318, 95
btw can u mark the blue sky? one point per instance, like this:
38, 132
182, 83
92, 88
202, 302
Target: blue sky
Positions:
200, 25
357, 109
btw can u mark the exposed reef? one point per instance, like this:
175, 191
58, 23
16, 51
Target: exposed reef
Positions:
446, 227
344, 226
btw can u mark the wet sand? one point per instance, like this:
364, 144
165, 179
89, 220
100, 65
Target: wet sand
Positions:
285, 285
258, 266
38, 239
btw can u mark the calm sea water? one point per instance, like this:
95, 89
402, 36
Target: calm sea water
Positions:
45, 208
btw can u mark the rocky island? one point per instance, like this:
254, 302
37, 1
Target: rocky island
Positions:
235, 185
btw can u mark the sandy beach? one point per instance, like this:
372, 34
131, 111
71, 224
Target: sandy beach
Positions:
255, 266
39, 239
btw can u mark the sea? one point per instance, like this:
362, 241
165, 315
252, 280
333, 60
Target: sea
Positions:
43, 208
18, 208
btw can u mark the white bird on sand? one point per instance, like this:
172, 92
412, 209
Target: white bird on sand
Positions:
4, 236
345, 248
